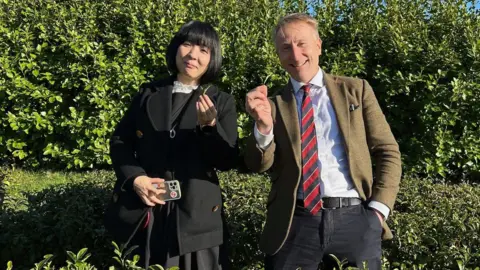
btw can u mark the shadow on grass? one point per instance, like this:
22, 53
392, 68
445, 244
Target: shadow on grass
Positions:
54, 220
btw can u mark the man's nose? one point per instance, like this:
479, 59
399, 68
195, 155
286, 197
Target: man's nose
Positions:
296, 53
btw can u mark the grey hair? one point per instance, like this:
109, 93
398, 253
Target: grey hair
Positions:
296, 17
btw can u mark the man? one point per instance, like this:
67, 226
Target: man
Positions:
317, 136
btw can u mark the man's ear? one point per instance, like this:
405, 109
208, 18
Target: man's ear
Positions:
319, 45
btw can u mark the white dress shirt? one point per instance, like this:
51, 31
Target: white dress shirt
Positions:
333, 162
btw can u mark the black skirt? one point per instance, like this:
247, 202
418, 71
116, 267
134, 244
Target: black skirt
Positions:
164, 245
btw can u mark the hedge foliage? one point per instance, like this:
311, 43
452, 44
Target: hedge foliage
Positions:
69, 68
435, 225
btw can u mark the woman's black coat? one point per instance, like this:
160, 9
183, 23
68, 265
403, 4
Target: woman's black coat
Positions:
142, 144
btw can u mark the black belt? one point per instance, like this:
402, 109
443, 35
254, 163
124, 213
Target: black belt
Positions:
334, 202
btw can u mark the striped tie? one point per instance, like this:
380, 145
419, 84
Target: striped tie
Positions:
310, 169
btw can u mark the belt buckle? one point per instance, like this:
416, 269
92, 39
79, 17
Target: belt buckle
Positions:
340, 204
323, 208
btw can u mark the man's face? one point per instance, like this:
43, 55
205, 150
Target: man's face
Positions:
299, 47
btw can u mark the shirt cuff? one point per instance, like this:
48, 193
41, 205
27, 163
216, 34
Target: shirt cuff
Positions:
382, 208
263, 140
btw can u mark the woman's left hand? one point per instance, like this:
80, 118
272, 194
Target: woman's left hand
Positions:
206, 111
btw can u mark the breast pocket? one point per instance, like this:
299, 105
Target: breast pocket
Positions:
355, 112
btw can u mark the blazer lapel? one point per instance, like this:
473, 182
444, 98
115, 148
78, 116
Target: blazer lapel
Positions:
338, 96
287, 106
159, 108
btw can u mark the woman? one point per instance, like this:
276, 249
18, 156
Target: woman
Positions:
181, 128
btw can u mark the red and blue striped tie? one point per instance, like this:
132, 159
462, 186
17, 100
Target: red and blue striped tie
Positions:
310, 169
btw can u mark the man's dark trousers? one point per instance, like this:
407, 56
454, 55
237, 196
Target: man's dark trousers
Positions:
351, 233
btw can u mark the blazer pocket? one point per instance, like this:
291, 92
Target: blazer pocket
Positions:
353, 102
352, 107
357, 127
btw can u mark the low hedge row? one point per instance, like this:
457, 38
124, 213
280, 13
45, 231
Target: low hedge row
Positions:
435, 225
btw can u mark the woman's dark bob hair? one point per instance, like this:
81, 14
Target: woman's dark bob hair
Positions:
202, 34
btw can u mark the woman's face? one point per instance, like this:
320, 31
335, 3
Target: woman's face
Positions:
192, 62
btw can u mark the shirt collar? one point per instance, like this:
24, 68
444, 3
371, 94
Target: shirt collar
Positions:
317, 80
179, 87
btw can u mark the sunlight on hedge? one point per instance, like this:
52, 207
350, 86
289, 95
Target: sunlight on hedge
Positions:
69, 68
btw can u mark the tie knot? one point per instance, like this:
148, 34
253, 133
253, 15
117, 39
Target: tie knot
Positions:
306, 88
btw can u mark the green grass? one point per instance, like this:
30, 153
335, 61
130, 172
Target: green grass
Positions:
19, 183
21, 180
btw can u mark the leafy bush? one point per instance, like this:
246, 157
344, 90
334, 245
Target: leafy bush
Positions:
245, 205
58, 218
435, 225
69, 68
79, 261
3, 175
423, 61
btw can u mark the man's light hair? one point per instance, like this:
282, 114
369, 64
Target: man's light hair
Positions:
296, 17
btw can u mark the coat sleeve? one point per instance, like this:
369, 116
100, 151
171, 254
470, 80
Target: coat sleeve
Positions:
257, 159
384, 149
220, 142
122, 147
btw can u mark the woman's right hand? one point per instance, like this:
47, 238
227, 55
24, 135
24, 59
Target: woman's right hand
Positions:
148, 189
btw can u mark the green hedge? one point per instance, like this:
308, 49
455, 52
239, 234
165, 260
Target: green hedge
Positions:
69, 68
434, 224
